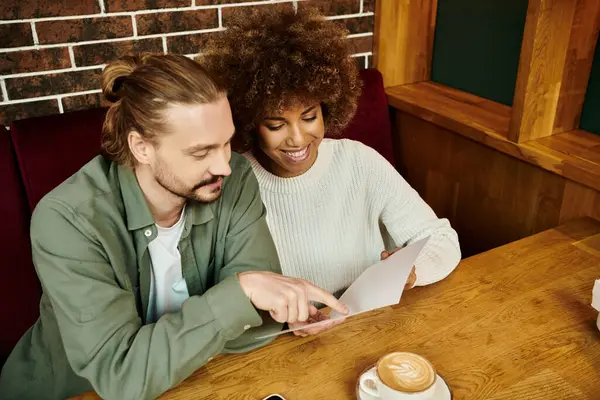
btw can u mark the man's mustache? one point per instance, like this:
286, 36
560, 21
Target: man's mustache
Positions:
205, 182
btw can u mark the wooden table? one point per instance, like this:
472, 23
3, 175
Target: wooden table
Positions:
512, 323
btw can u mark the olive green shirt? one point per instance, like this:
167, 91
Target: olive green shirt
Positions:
90, 241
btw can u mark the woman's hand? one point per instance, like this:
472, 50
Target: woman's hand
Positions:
412, 278
315, 316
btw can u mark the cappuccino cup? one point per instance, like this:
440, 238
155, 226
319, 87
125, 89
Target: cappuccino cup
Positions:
400, 376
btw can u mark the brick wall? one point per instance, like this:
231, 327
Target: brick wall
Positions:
52, 51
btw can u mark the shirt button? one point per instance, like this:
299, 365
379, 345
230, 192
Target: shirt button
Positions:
247, 327
148, 232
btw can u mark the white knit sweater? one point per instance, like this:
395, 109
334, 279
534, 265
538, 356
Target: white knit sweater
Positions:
329, 223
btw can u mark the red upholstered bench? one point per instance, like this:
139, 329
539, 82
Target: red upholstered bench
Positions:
371, 124
19, 287
50, 149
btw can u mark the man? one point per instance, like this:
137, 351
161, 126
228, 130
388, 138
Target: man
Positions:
156, 256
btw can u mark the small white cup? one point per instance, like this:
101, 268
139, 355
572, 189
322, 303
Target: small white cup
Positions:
384, 392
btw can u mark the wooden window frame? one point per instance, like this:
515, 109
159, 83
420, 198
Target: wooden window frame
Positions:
542, 126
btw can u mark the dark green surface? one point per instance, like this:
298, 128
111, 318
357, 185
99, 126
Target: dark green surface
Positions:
477, 46
590, 119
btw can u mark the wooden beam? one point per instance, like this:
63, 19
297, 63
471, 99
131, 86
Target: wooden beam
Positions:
404, 32
574, 155
584, 36
554, 68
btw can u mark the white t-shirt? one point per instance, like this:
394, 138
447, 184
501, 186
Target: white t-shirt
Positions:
168, 289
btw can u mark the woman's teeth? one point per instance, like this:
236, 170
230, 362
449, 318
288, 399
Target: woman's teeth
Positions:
298, 155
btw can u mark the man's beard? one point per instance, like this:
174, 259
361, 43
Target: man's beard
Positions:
174, 186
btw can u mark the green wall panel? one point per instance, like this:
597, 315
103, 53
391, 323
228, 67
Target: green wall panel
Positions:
590, 119
477, 46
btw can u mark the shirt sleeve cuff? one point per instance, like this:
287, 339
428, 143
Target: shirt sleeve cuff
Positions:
232, 308
431, 268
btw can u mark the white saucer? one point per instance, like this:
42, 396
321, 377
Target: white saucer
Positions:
442, 391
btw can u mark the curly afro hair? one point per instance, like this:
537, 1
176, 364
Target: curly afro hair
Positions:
271, 58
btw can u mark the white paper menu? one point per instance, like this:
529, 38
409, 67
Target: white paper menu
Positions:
380, 285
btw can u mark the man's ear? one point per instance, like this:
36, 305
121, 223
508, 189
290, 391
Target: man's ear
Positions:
142, 149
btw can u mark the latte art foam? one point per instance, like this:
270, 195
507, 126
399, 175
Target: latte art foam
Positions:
406, 372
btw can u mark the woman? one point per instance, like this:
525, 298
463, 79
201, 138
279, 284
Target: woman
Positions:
330, 203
